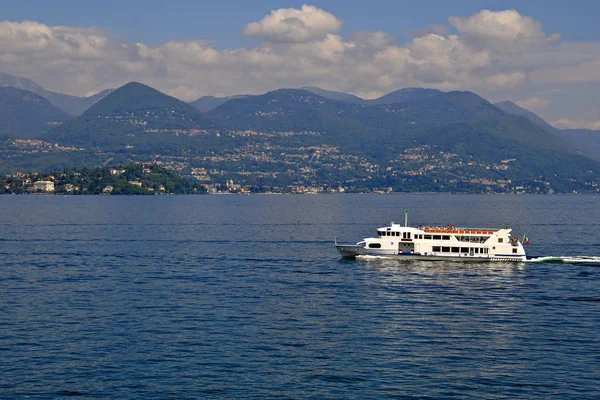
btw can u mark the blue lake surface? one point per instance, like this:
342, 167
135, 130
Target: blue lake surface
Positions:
246, 297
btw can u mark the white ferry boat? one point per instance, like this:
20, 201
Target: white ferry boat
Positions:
449, 243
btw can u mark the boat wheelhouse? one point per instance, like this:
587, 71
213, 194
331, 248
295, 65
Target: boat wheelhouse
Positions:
439, 243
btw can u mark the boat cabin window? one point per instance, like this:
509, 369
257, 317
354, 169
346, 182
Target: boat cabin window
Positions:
445, 237
500, 240
445, 249
455, 250
436, 248
464, 249
374, 245
427, 236
406, 235
514, 250
437, 237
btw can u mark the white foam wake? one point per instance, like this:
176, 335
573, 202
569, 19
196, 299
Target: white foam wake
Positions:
567, 259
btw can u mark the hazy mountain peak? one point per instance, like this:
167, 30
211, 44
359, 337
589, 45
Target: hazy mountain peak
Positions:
73, 105
511, 108
19, 82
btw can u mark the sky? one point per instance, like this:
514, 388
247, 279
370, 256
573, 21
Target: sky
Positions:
542, 55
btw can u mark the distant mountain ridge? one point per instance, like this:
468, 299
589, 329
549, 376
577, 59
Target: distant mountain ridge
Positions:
585, 140
24, 114
511, 108
417, 139
73, 105
405, 95
207, 103
345, 97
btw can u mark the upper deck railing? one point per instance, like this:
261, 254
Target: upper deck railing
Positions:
461, 231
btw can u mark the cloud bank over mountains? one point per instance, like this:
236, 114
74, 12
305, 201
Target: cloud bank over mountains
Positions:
498, 54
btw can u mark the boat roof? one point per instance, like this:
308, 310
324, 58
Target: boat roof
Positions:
446, 229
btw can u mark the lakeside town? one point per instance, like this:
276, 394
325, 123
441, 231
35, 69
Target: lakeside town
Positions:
267, 168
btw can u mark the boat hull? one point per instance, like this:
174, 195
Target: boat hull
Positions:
353, 251
350, 250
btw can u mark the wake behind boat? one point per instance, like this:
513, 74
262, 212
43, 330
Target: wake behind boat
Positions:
448, 243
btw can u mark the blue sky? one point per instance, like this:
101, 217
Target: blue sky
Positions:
157, 21
543, 55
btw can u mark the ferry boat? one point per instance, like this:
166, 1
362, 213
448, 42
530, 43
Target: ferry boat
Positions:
434, 243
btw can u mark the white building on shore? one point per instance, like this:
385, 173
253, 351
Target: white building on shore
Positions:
44, 186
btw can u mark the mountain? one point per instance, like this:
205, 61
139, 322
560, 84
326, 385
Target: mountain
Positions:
511, 108
345, 97
584, 140
207, 103
74, 105
456, 124
405, 95
132, 113
302, 110
427, 141
26, 115
282, 110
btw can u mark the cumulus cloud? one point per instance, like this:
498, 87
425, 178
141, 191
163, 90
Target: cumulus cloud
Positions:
566, 123
505, 80
502, 30
437, 29
293, 25
533, 103
304, 47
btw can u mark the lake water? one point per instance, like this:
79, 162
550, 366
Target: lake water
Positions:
246, 297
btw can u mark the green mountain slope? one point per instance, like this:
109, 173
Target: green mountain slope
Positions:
282, 110
353, 126
528, 152
26, 115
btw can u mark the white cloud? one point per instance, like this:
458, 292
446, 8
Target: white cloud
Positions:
533, 103
293, 25
437, 29
505, 80
303, 47
566, 123
502, 30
